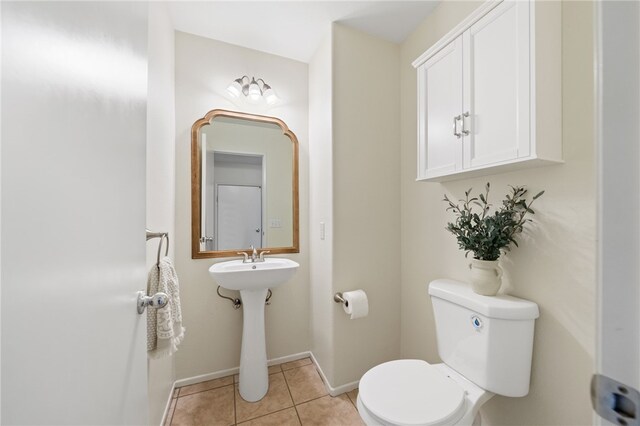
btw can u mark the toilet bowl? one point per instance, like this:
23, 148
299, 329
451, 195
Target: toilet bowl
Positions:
414, 392
486, 345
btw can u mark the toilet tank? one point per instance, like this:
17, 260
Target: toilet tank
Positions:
487, 339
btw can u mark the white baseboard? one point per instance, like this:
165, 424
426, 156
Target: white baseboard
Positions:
289, 358
205, 377
333, 391
339, 390
168, 405
230, 371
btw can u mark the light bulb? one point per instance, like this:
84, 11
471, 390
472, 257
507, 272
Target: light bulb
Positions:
254, 90
269, 95
235, 88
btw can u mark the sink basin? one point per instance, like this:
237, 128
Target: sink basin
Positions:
235, 275
253, 280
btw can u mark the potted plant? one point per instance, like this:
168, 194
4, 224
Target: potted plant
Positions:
487, 234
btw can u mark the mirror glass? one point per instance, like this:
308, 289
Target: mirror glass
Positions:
244, 185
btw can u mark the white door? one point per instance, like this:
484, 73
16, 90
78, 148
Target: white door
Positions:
239, 217
440, 97
615, 388
74, 86
496, 98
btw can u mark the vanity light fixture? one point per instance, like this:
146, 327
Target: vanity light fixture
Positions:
253, 89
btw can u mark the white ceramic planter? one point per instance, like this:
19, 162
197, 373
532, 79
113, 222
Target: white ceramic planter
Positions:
486, 276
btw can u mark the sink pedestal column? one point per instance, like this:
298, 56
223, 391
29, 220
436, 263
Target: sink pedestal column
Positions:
254, 379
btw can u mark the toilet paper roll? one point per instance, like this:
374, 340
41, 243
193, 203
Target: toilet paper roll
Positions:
356, 303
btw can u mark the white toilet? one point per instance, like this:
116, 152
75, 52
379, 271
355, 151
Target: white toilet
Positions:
486, 344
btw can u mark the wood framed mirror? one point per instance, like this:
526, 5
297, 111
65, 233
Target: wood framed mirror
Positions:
244, 185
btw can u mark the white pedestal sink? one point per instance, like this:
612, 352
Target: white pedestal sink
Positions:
253, 279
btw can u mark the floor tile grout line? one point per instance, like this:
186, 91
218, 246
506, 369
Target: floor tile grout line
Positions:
285, 382
233, 381
291, 395
235, 411
284, 376
206, 390
170, 414
351, 400
323, 396
196, 393
329, 395
282, 371
312, 399
316, 398
292, 368
295, 407
235, 374
218, 387
265, 415
288, 388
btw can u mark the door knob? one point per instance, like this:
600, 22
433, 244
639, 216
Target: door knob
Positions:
158, 300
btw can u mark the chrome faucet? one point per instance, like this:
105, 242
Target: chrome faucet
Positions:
255, 256
246, 256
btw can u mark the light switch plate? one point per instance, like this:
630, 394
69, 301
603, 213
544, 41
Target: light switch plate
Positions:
275, 223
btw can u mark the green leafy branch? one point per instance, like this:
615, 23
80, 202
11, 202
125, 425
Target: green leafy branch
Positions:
484, 234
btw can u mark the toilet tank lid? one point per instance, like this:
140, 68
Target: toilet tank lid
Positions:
501, 306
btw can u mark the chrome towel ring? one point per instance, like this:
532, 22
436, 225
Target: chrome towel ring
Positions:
162, 236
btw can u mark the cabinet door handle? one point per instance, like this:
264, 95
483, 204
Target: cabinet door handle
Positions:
465, 129
455, 126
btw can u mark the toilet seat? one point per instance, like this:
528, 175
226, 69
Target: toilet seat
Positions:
411, 392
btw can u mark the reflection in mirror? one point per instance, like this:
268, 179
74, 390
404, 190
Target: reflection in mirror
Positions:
244, 185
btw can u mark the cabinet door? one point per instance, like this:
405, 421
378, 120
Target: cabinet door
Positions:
440, 101
496, 91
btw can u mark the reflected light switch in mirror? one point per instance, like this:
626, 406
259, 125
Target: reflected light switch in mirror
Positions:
275, 223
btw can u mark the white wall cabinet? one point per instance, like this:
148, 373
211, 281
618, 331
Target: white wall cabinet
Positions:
480, 110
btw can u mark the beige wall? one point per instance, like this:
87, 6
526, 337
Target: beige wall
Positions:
160, 177
204, 68
354, 180
366, 200
555, 264
321, 206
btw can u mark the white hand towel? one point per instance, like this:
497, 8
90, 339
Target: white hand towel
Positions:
164, 325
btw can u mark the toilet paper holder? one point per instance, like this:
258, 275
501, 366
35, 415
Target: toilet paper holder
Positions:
339, 299
354, 303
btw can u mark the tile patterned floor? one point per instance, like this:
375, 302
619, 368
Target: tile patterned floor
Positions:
296, 396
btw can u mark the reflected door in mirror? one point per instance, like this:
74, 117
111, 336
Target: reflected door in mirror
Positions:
239, 217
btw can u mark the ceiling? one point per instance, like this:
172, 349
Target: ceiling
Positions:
294, 29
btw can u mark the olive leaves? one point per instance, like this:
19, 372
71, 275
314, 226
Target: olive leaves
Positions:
485, 234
